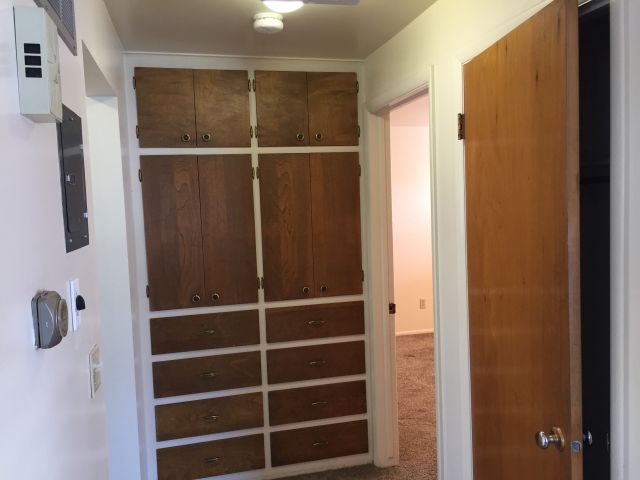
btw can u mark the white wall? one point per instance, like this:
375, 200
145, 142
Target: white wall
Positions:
51, 428
411, 206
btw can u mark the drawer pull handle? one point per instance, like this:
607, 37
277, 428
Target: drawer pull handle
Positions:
209, 332
317, 363
212, 460
209, 375
210, 418
321, 444
316, 323
318, 404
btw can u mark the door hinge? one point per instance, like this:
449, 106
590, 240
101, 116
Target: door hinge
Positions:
357, 87
260, 283
140, 175
253, 84
392, 309
461, 126
358, 131
134, 83
148, 290
137, 131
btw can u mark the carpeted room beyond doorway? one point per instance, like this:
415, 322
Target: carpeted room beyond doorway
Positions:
417, 418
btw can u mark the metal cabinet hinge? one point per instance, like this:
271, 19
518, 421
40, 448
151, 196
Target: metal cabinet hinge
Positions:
260, 283
134, 83
148, 292
358, 131
255, 172
357, 87
140, 175
249, 84
251, 131
253, 84
461, 126
137, 131
255, 131
363, 275
360, 174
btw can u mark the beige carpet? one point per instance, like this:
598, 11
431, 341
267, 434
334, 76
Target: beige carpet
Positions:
416, 410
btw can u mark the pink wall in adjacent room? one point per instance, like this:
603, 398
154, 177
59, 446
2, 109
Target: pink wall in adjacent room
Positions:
411, 209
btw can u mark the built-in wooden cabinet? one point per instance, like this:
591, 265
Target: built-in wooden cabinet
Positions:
310, 206
299, 109
199, 230
192, 108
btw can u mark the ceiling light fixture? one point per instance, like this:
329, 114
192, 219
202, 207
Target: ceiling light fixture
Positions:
283, 6
268, 22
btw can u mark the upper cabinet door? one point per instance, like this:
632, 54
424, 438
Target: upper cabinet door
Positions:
281, 104
222, 108
228, 229
335, 196
166, 111
286, 227
333, 108
173, 233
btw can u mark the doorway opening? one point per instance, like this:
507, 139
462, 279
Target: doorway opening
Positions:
411, 287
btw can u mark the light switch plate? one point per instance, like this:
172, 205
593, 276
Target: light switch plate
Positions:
74, 291
95, 369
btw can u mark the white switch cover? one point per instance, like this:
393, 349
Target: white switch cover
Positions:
95, 369
74, 291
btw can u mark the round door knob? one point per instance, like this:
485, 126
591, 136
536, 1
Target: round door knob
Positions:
323, 288
206, 137
195, 298
306, 290
555, 438
319, 136
186, 138
300, 137
215, 297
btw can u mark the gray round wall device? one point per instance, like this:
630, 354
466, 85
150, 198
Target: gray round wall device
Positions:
50, 318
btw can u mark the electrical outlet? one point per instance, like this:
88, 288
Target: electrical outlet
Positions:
423, 304
95, 370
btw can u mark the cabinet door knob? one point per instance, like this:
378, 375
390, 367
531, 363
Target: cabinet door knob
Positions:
210, 418
186, 138
209, 332
316, 323
212, 460
215, 297
306, 290
321, 444
195, 298
319, 136
300, 137
209, 375
323, 288
206, 137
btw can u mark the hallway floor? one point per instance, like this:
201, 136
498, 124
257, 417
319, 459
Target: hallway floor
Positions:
416, 409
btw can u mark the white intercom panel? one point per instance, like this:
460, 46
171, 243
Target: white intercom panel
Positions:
38, 65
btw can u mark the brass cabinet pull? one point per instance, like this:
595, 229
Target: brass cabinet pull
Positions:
323, 443
206, 137
209, 375
186, 138
319, 404
316, 323
306, 290
215, 297
209, 332
212, 460
323, 288
195, 298
317, 363
319, 136
210, 418
300, 137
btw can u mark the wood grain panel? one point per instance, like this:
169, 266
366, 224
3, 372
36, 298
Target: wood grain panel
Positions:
319, 443
333, 108
173, 233
314, 321
201, 332
521, 156
285, 202
281, 105
208, 459
314, 403
204, 417
222, 108
335, 198
206, 374
316, 361
166, 111
228, 229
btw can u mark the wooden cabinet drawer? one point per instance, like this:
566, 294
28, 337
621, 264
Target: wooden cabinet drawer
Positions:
313, 403
200, 332
204, 417
318, 443
206, 374
315, 321
316, 361
210, 459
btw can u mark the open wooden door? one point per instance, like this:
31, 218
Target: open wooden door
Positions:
522, 187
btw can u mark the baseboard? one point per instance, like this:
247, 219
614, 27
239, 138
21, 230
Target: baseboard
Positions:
414, 332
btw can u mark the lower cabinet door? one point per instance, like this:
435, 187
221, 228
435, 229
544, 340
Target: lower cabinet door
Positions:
319, 443
204, 417
209, 459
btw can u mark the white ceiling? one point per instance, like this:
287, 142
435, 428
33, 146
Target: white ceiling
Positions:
225, 27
